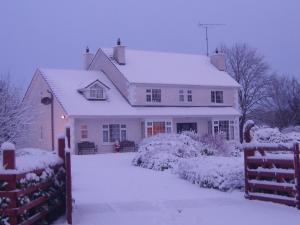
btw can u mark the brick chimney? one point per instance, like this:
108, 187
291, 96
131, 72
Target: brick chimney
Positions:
87, 58
119, 53
218, 59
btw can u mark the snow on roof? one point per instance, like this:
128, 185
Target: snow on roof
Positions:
65, 83
171, 68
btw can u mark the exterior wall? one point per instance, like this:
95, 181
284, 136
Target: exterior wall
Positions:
133, 128
170, 95
39, 131
102, 63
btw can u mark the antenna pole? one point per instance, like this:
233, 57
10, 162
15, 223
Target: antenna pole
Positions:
206, 41
206, 26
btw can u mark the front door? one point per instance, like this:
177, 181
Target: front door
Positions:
186, 127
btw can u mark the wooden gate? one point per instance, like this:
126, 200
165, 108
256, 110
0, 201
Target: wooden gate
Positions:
272, 173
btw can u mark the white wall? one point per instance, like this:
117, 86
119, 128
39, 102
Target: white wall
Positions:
170, 95
39, 131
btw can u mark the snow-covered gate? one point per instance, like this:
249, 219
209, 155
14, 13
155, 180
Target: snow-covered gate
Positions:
35, 196
32, 196
272, 173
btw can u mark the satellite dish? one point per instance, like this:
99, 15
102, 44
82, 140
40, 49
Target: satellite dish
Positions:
46, 100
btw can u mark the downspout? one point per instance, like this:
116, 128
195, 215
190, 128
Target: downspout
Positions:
52, 120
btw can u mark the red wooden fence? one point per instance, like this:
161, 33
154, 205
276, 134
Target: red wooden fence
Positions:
272, 174
55, 200
37, 208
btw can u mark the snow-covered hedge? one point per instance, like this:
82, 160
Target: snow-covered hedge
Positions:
28, 159
164, 150
222, 173
273, 135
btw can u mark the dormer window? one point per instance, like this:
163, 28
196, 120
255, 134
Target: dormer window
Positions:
95, 91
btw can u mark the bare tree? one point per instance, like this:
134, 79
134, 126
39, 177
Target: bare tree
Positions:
281, 108
14, 116
250, 70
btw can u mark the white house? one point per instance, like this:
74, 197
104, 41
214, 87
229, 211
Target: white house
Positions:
125, 94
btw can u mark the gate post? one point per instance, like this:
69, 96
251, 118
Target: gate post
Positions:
61, 148
9, 158
297, 172
68, 187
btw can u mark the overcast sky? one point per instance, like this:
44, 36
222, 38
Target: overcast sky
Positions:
54, 34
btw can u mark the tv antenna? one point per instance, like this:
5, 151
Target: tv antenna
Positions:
206, 26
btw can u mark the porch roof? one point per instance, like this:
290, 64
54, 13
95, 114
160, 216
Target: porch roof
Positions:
65, 83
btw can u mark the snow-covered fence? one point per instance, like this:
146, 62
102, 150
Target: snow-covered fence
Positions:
272, 173
31, 196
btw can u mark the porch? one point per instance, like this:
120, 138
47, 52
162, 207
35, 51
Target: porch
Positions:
105, 132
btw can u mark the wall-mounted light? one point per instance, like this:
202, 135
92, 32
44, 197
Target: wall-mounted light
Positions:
62, 116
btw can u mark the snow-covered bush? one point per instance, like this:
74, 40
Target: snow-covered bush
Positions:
164, 150
218, 172
273, 135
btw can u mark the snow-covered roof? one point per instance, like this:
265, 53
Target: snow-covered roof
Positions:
65, 83
171, 68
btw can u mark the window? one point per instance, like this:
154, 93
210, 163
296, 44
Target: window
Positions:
158, 127
181, 96
114, 132
217, 96
153, 95
83, 131
225, 127
189, 96
148, 95
96, 92
156, 95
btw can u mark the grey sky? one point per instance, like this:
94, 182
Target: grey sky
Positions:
54, 34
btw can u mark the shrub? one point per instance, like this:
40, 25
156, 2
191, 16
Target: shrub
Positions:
222, 173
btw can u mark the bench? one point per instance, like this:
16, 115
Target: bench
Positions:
86, 147
127, 145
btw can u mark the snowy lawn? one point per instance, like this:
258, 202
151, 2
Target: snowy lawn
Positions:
108, 190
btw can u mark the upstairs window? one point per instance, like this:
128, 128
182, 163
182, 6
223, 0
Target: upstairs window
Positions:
181, 96
96, 92
153, 95
217, 96
189, 96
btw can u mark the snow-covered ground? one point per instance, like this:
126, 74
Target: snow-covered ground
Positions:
108, 190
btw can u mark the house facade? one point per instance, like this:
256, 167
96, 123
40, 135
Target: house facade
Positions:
125, 94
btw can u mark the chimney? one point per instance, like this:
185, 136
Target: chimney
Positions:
119, 53
88, 58
218, 59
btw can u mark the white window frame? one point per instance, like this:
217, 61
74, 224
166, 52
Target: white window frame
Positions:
149, 124
213, 96
181, 96
231, 127
189, 95
151, 93
106, 128
97, 93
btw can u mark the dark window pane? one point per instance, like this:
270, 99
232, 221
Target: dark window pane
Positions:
114, 132
213, 96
